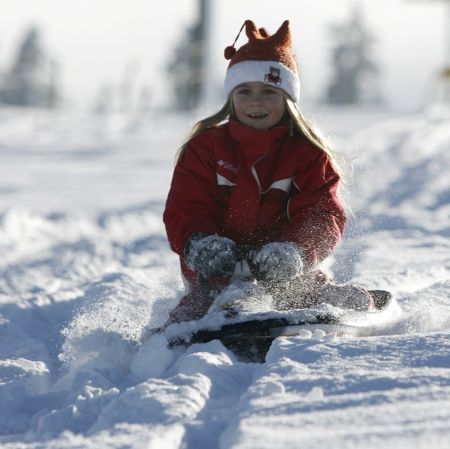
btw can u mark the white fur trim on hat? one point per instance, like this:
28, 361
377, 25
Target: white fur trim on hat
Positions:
272, 73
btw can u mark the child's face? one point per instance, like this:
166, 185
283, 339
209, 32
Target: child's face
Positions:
258, 105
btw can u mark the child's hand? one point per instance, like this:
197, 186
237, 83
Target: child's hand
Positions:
211, 255
277, 262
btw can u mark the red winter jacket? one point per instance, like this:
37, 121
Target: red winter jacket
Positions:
254, 187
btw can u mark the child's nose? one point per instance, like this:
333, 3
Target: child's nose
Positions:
256, 98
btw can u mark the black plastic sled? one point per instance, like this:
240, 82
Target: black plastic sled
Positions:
250, 337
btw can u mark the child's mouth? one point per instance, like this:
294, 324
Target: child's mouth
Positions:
257, 116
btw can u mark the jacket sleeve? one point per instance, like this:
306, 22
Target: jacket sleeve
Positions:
191, 205
316, 215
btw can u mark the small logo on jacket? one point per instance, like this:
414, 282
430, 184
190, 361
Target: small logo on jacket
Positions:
228, 166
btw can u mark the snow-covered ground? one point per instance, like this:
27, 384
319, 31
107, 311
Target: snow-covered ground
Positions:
85, 267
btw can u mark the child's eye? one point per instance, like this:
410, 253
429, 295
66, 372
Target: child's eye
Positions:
243, 91
269, 91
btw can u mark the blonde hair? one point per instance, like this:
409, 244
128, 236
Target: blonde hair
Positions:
311, 131
226, 113
297, 122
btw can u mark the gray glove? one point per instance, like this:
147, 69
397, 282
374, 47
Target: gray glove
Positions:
277, 262
212, 256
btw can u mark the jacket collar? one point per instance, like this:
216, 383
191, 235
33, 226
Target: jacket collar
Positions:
255, 142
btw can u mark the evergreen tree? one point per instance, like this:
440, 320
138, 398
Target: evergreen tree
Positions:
188, 69
32, 79
185, 69
356, 74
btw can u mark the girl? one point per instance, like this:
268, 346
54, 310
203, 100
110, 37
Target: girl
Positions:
257, 176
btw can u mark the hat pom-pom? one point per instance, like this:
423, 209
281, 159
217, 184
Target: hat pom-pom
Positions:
229, 52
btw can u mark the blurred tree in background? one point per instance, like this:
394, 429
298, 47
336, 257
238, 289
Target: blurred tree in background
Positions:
188, 67
185, 70
355, 76
32, 80
127, 96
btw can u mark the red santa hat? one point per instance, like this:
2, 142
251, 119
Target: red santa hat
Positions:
264, 58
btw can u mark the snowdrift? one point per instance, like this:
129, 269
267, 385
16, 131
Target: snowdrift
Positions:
85, 268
